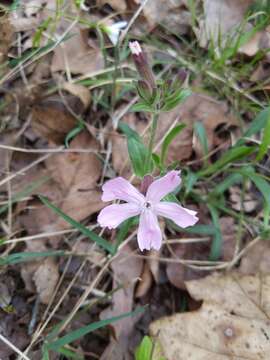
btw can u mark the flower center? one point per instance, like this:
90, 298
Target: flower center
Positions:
147, 205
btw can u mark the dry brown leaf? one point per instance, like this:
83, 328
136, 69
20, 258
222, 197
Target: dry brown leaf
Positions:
76, 55
153, 262
260, 41
72, 187
250, 199
178, 273
119, 5
222, 20
170, 13
257, 259
6, 36
229, 234
79, 91
126, 270
261, 73
76, 174
145, 283
52, 121
45, 279
233, 322
222, 17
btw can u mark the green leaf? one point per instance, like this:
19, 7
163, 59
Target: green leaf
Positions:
126, 129
265, 140
175, 99
169, 138
216, 244
88, 233
69, 354
157, 161
257, 124
142, 107
138, 153
201, 229
235, 153
41, 28
74, 132
190, 181
145, 349
262, 185
17, 258
202, 136
76, 334
228, 182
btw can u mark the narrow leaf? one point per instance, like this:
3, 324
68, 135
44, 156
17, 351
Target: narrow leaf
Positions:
88, 233
145, 349
168, 139
202, 136
76, 334
265, 140
235, 153
17, 258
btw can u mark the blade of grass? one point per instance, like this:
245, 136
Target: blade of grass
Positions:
235, 153
88, 233
17, 258
168, 139
76, 334
265, 140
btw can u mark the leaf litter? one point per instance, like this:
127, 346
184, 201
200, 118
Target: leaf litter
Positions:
51, 101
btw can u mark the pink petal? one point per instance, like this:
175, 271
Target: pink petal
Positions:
163, 186
120, 189
181, 216
113, 215
149, 233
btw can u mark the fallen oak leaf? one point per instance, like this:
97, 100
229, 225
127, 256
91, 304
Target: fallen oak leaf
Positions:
233, 322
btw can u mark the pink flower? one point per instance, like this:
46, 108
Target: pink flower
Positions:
135, 48
149, 207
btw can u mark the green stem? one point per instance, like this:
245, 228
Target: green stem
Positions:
151, 139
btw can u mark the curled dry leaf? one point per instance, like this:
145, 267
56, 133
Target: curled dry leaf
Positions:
76, 56
126, 270
45, 279
232, 323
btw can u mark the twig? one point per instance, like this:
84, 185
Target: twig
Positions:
13, 347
